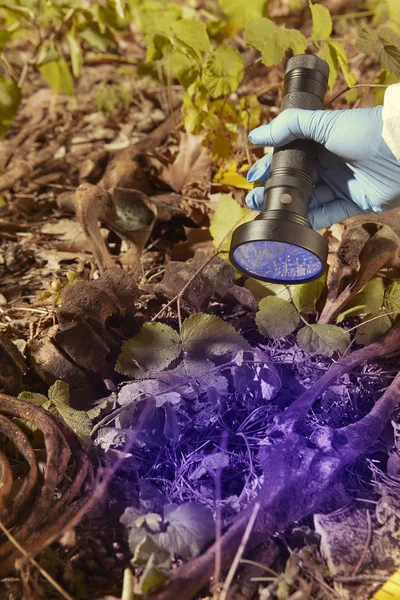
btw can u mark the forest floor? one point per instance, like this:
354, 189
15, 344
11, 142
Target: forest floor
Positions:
194, 450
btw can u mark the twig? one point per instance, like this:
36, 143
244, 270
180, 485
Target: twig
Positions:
361, 579
367, 543
218, 520
178, 296
354, 15
239, 553
42, 571
353, 87
247, 561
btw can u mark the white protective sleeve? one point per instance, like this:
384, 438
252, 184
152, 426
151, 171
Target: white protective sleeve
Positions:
391, 119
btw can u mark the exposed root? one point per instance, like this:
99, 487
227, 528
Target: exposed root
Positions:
40, 504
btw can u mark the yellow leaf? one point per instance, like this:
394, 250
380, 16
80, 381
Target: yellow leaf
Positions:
230, 177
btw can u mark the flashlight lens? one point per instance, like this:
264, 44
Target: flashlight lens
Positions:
277, 261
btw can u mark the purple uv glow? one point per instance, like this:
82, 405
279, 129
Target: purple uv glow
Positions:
278, 261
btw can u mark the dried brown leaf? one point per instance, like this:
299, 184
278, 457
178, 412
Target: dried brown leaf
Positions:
214, 281
12, 366
364, 250
192, 164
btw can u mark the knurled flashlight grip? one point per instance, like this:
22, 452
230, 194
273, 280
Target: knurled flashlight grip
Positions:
290, 182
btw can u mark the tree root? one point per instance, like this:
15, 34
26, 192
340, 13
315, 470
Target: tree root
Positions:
300, 468
41, 505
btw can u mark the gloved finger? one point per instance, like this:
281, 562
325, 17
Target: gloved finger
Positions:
295, 124
260, 169
332, 212
255, 198
322, 194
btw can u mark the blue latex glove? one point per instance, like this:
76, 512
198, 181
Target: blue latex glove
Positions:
356, 172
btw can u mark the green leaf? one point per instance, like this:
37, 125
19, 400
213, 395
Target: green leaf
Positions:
392, 299
158, 46
329, 54
261, 289
276, 317
105, 98
294, 39
10, 98
205, 336
368, 41
223, 71
388, 53
321, 22
78, 420
184, 67
394, 10
266, 37
296, 4
323, 339
306, 295
58, 76
369, 332
47, 53
348, 75
21, 11
5, 36
390, 36
368, 301
389, 57
119, 7
272, 41
152, 578
76, 54
92, 35
184, 530
239, 12
34, 398
190, 528
154, 349
193, 33
249, 112
226, 217
154, 15
147, 547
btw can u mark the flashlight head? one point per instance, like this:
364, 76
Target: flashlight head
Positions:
280, 245
279, 250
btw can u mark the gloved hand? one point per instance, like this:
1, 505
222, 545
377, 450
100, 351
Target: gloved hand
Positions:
356, 172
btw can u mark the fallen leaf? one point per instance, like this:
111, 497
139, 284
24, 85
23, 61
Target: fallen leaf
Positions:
192, 164
12, 366
362, 253
213, 281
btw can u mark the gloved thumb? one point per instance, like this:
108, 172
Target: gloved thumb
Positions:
295, 124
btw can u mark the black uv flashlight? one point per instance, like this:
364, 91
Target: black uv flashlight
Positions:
280, 245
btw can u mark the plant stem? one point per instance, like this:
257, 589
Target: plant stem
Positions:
239, 553
353, 87
42, 571
354, 15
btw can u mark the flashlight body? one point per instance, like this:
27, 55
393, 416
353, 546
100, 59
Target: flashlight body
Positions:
290, 182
